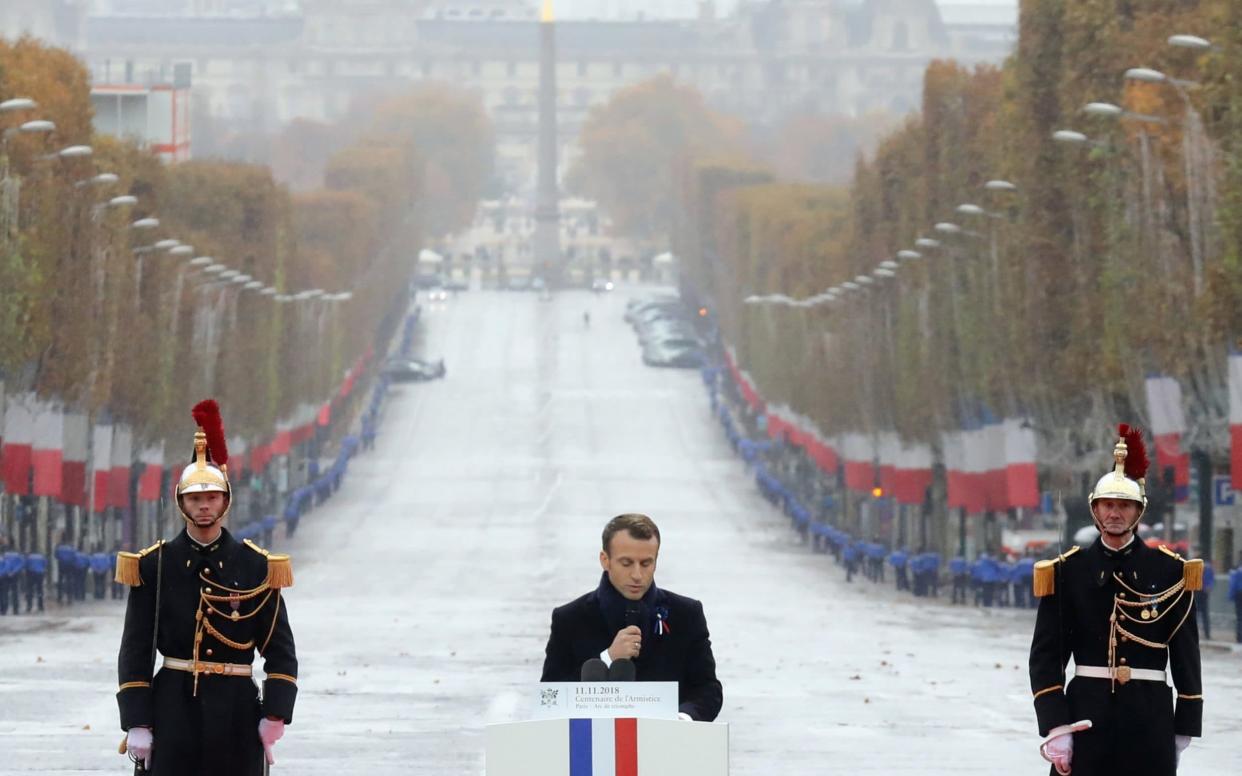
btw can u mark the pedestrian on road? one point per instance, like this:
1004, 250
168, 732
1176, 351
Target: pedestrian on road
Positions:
36, 571
1119, 608
1235, 595
207, 602
1204, 598
627, 617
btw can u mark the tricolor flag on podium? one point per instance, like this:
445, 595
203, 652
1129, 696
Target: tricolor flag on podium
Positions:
603, 747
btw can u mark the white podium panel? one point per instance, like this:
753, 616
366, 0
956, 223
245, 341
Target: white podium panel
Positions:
608, 747
579, 700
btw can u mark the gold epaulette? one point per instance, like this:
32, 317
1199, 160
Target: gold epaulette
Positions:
279, 567
1045, 580
128, 565
1192, 570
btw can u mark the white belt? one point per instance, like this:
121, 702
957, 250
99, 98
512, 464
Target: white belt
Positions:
1122, 674
204, 667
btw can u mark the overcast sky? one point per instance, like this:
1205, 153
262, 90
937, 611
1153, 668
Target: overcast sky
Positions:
565, 9
682, 8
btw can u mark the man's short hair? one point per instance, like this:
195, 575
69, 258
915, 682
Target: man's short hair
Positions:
639, 526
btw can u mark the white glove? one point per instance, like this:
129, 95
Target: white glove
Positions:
1059, 751
139, 744
1058, 747
270, 731
1182, 742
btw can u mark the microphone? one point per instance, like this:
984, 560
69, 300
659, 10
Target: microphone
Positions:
635, 614
622, 670
594, 670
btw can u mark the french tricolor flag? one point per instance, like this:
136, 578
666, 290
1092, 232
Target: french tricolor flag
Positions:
73, 459
603, 747
48, 455
16, 457
859, 453
1168, 423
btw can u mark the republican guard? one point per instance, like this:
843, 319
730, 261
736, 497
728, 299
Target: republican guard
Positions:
208, 602
1126, 613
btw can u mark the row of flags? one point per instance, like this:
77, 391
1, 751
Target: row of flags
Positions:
46, 450
990, 465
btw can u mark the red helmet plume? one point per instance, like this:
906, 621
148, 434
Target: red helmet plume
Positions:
207, 415
1136, 451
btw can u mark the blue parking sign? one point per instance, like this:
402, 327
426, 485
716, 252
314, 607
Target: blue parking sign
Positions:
1222, 490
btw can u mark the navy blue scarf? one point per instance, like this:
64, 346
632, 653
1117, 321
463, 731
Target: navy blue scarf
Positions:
613, 605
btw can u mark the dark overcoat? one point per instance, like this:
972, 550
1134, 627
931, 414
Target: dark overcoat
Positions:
679, 651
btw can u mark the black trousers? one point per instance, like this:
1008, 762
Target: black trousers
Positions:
1237, 608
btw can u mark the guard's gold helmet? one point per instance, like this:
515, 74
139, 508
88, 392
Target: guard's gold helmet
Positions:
209, 471
1127, 480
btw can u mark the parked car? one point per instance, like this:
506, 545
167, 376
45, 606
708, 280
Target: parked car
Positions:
657, 354
413, 370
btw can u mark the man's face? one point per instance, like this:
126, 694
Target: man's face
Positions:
1116, 515
630, 563
204, 508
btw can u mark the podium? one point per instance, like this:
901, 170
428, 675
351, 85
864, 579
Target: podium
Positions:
607, 730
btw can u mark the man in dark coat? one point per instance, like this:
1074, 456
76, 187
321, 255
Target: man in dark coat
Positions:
1123, 611
628, 618
208, 602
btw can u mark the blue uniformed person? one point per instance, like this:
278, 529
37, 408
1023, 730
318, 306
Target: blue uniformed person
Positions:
960, 573
850, 554
1235, 595
898, 560
931, 571
1024, 573
8, 580
65, 557
36, 572
118, 590
1203, 597
1004, 582
100, 564
81, 568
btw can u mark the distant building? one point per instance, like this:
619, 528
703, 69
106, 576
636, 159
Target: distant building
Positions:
155, 116
762, 62
58, 22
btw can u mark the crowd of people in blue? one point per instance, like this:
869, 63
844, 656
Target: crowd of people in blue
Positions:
80, 575
790, 481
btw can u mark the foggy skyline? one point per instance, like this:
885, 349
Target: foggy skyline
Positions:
565, 9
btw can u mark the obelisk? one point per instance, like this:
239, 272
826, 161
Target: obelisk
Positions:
547, 240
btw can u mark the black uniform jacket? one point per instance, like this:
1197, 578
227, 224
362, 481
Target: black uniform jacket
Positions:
682, 653
1133, 722
217, 606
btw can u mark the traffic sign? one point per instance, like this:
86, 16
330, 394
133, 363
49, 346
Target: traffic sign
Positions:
1222, 491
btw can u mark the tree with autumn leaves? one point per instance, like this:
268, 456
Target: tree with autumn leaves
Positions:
91, 315
1110, 260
